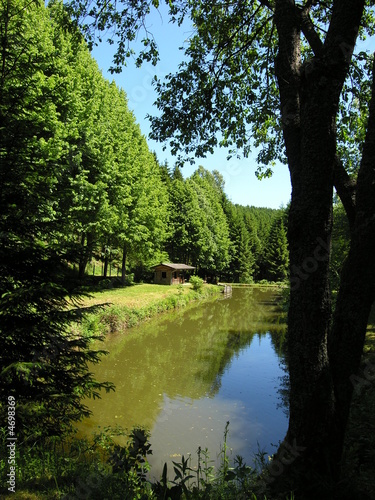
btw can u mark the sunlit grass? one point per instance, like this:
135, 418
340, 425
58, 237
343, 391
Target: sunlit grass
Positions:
135, 296
128, 306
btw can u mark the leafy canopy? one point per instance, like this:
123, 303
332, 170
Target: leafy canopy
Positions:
225, 91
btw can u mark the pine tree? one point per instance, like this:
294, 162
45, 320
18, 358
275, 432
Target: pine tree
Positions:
276, 253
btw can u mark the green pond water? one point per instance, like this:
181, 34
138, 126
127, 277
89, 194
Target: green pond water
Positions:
184, 374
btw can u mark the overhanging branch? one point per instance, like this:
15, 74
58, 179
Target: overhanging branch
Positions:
267, 3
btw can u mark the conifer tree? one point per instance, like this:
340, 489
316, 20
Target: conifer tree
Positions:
276, 258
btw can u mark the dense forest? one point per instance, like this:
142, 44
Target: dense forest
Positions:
90, 177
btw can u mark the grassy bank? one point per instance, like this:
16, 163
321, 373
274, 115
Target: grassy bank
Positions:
123, 308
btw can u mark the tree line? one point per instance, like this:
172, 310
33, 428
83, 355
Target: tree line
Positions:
222, 240
81, 168
94, 182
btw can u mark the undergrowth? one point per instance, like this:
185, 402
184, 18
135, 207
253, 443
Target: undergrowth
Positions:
359, 450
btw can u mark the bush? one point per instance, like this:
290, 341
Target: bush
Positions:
197, 283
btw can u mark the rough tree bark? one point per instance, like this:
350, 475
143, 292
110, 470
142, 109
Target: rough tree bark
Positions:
320, 391
357, 288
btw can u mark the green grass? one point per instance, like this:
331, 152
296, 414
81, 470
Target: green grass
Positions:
123, 308
136, 296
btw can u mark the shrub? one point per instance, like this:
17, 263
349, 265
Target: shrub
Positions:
197, 283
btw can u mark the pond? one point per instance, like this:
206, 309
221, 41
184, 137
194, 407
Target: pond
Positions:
184, 374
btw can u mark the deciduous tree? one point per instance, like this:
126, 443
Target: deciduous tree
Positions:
44, 365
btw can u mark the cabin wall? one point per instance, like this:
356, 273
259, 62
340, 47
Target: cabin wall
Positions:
163, 276
166, 276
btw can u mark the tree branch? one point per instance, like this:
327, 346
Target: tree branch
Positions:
224, 47
346, 188
308, 29
366, 174
268, 4
342, 33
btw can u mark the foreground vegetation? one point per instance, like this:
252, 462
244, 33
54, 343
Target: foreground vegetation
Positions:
101, 469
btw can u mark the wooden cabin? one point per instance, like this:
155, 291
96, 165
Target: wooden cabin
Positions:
168, 273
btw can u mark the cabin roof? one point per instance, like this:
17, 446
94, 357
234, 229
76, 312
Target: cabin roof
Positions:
171, 265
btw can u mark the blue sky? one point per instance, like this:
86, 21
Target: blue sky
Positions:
241, 184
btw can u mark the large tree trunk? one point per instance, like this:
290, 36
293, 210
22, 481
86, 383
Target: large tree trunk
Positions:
357, 289
309, 97
309, 233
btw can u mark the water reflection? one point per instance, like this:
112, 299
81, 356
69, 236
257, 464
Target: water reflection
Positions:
185, 374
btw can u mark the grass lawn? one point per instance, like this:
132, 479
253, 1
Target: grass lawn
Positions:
128, 306
136, 296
